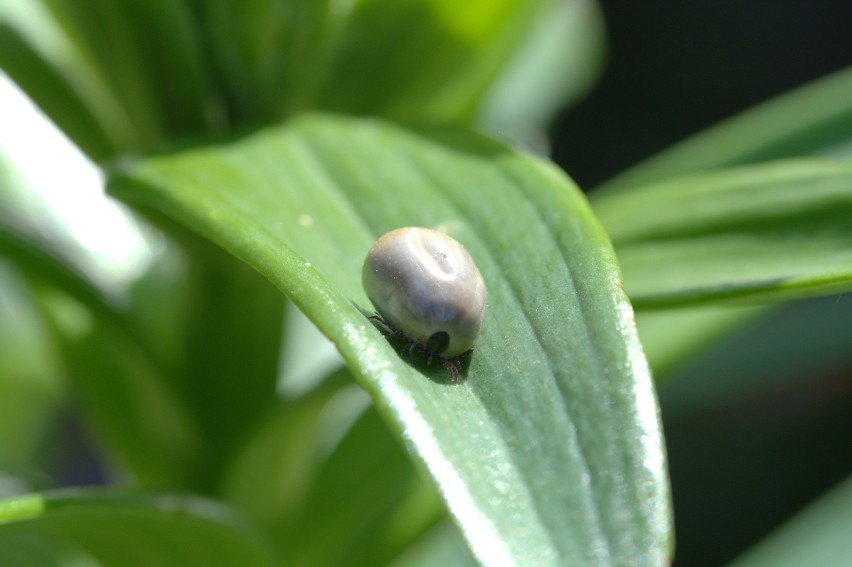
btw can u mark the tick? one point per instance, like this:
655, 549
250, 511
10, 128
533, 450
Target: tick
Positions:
428, 291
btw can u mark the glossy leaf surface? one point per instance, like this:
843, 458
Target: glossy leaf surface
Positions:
548, 452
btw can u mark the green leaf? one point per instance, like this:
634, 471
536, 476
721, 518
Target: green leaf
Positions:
808, 120
817, 536
98, 528
781, 229
149, 55
271, 476
323, 468
549, 451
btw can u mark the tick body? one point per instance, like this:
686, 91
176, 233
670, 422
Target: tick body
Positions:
427, 289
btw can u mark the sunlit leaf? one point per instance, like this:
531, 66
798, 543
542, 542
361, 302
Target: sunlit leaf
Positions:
549, 450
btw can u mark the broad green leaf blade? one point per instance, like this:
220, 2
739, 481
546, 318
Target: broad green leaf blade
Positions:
808, 120
94, 527
781, 229
549, 451
817, 536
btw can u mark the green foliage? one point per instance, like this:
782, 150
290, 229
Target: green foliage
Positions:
269, 144
96, 527
693, 239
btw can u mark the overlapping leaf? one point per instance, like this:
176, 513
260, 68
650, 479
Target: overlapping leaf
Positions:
778, 229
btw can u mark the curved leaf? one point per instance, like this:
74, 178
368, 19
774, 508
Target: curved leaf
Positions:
549, 451
98, 528
782, 229
809, 119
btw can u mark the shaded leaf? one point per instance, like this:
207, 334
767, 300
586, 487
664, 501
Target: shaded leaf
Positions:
229, 365
782, 229
549, 450
130, 405
99, 72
